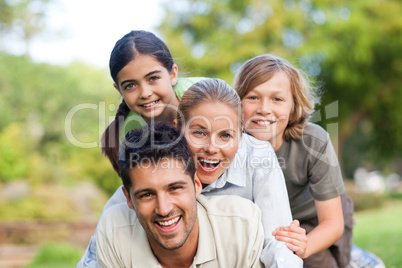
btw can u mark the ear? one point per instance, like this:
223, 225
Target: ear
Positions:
175, 122
128, 198
174, 74
116, 87
198, 185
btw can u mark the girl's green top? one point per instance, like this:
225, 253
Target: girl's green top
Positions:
134, 120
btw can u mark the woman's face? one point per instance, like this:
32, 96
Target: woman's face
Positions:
212, 132
147, 87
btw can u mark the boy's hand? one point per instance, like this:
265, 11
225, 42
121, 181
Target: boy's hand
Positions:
294, 236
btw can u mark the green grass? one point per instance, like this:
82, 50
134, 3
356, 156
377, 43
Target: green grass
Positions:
380, 231
56, 255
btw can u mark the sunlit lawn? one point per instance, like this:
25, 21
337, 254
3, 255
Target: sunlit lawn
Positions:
380, 231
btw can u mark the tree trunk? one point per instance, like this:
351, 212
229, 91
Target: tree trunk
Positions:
347, 129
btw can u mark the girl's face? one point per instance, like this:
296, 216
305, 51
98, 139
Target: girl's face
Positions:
146, 86
267, 109
212, 132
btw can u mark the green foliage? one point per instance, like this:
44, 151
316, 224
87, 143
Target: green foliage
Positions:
50, 114
365, 201
44, 203
56, 255
95, 167
13, 153
361, 69
5, 14
23, 19
352, 47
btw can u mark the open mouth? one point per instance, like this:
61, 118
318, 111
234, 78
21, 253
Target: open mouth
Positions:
150, 104
169, 223
264, 123
208, 165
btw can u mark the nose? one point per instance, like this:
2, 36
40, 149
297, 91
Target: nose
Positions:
211, 147
265, 108
164, 205
145, 92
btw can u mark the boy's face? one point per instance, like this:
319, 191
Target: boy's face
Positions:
164, 198
267, 109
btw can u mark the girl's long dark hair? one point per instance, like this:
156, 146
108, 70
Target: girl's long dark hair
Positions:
127, 49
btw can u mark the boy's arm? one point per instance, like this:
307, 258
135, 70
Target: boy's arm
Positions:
330, 225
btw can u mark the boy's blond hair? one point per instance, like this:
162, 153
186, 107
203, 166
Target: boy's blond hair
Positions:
260, 69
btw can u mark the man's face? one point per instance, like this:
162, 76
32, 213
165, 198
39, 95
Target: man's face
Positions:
164, 198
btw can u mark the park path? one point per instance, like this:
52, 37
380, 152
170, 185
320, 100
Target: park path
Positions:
19, 242
16, 256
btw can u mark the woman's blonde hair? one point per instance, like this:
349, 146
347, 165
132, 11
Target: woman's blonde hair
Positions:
208, 90
260, 69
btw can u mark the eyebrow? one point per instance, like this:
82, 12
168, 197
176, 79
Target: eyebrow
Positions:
227, 130
220, 130
147, 190
147, 75
261, 91
197, 125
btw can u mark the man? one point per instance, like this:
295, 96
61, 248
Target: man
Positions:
165, 224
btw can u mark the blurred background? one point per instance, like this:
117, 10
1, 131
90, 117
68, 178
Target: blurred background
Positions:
56, 98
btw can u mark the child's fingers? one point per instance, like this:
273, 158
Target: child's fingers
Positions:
295, 223
299, 251
294, 237
291, 229
296, 243
292, 247
290, 236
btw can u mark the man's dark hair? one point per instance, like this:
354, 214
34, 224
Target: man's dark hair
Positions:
151, 144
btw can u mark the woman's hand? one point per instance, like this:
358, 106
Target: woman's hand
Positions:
294, 236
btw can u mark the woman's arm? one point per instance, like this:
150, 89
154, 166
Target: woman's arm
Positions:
270, 194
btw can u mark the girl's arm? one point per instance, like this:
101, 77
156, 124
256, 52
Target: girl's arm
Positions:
330, 227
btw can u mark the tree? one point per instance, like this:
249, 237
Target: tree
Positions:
41, 131
23, 17
361, 67
5, 14
351, 47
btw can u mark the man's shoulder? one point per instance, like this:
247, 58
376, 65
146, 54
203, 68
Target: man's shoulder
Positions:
117, 216
229, 206
227, 218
